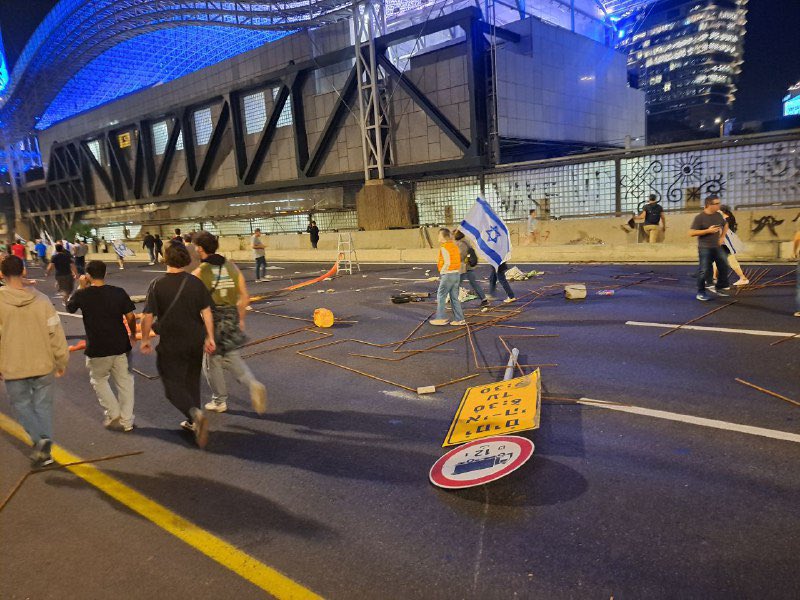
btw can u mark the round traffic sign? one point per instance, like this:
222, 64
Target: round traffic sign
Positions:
481, 461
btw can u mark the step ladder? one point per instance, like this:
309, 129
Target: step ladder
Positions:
345, 249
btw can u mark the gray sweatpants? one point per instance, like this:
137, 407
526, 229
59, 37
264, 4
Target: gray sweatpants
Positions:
214, 367
100, 370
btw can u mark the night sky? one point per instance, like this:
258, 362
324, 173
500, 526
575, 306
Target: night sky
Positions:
771, 59
771, 52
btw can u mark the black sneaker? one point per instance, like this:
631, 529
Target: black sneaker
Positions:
40, 457
484, 303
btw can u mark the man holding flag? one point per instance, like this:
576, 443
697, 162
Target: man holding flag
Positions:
490, 237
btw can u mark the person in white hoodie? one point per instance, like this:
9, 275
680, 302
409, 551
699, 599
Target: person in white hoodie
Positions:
33, 352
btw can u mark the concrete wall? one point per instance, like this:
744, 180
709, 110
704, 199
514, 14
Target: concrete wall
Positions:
561, 86
580, 240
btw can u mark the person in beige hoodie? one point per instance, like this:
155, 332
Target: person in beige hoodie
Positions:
33, 352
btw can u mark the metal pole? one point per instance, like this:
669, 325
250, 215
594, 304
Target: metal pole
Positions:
512, 360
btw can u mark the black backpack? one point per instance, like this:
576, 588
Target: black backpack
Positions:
472, 257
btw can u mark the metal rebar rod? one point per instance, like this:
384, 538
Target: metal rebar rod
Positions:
760, 389
711, 312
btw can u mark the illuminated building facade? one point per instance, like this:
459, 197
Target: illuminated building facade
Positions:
791, 102
686, 56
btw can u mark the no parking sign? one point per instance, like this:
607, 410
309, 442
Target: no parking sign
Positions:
481, 461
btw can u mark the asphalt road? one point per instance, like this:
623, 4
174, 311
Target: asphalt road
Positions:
331, 487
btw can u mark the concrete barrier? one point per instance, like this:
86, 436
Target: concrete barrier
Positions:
606, 239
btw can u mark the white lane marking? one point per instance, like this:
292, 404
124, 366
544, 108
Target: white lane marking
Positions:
712, 423
401, 394
400, 279
164, 270
717, 329
66, 314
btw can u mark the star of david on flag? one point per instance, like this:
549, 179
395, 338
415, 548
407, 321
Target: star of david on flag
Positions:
488, 233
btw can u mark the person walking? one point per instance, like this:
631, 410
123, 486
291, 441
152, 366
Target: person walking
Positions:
225, 282
796, 254
191, 248
41, 252
532, 227
177, 238
159, 248
449, 264
709, 228
732, 245
33, 352
121, 250
653, 215
469, 259
313, 232
149, 243
108, 343
18, 250
65, 272
79, 252
499, 274
259, 254
181, 305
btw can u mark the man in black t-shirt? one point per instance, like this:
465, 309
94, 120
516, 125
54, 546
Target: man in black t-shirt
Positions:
710, 227
182, 306
653, 215
107, 342
61, 262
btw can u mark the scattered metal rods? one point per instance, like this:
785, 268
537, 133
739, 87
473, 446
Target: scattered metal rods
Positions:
760, 389
711, 312
64, 466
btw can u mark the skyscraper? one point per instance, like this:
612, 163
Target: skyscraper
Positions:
686, 55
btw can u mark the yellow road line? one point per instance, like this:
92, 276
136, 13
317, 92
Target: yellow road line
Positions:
244, 565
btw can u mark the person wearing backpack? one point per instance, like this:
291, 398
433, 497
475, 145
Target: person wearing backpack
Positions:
225, 282
469, 260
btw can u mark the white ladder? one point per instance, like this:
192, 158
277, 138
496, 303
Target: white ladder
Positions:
345, 248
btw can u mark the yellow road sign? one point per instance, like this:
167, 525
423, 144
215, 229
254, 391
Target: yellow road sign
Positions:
497, 409
124, 140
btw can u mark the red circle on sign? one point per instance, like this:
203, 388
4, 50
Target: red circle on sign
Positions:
438, 477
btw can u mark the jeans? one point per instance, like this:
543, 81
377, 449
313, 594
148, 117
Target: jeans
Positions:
499, 274
214, 367
180, 368
80, 264
32, 400
100, 369
470, 276
261, 267
449, 284
709, 257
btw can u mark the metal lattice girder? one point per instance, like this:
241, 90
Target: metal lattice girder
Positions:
370, 22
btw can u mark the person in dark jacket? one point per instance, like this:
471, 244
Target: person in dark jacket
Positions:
313, 231
149, 243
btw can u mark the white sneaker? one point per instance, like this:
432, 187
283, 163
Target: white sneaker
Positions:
508, 300
742, 282
258, 396
458, 323
214, 407
438, 321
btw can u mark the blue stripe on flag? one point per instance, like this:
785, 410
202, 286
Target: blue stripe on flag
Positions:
490, 213
491, 254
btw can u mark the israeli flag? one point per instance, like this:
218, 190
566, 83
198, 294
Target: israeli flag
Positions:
488, 233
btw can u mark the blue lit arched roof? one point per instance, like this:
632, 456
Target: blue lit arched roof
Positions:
147, 60
144, 42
